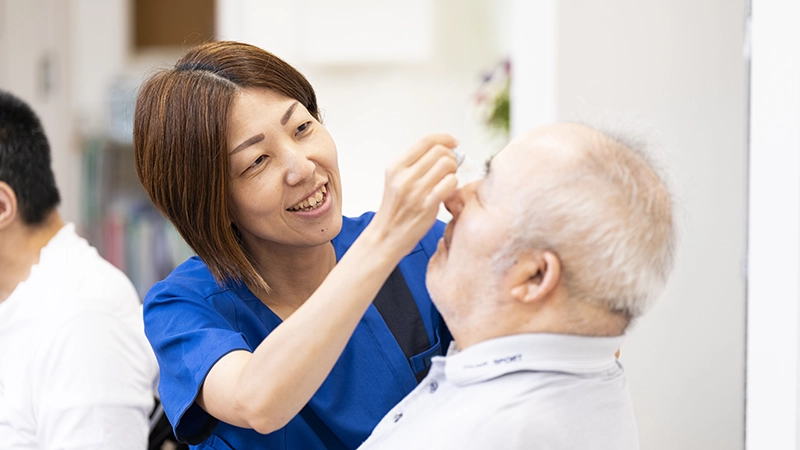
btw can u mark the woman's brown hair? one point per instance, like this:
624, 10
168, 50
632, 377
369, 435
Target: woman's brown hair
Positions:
180, 144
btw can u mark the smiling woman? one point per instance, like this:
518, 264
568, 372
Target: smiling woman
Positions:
293, 327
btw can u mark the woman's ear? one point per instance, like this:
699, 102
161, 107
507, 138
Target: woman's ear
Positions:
535, 276
8, 205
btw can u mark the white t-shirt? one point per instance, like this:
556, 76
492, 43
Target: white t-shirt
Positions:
76, 371
526, 391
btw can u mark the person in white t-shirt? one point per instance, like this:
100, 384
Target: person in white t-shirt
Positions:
76, 370
547, 260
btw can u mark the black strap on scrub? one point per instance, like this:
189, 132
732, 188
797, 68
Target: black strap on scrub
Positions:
399, 310
328, 438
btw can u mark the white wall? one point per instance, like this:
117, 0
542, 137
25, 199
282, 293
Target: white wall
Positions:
99, 52
3, 44
86, 44
534, 52
678, 66
38, 72
774, 222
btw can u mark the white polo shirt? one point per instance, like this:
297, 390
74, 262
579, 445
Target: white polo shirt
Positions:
76, 371
529, 391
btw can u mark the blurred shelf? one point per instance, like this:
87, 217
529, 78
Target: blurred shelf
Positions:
119, 219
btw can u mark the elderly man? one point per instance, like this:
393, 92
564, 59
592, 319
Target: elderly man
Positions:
544, 265
75, 368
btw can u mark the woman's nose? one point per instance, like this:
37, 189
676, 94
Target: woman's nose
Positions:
299, 167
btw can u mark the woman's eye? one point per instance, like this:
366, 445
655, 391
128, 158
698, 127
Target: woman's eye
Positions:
302, 128
258, 161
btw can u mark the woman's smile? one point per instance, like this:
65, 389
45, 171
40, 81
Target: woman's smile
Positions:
312, 202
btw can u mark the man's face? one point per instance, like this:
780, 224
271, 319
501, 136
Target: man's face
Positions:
461, 273
462, 277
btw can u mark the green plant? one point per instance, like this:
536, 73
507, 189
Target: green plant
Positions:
494, 99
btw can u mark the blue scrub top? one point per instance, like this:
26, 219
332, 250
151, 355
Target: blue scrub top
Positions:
192, 321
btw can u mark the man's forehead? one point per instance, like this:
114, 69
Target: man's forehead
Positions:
539, 150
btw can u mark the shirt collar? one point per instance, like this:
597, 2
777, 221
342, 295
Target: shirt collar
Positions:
531, 352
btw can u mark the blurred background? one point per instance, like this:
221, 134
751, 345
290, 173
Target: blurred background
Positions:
388, 72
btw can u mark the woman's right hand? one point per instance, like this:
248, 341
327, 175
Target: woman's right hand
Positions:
416, 184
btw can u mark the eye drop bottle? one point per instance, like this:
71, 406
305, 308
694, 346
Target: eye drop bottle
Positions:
468, 170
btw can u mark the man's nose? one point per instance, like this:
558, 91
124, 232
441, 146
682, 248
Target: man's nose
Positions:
455, 203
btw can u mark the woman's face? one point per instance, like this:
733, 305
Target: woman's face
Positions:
285, 189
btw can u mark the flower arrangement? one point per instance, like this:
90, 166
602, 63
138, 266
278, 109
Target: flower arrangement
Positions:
494, 100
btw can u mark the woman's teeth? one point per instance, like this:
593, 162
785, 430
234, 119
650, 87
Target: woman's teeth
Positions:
311, 202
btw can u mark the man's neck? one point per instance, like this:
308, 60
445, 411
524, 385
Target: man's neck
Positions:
563, 316
20, 247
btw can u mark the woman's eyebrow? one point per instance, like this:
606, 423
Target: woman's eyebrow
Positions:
288, 113
257, 138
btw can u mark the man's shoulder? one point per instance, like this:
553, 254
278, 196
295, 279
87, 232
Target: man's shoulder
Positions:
73, 275
524, 410
563, 410
104, 282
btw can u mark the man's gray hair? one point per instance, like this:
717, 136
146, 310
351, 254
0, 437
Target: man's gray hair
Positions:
609, 220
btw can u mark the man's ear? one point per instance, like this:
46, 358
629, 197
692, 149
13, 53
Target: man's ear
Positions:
8, 205
535, 276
